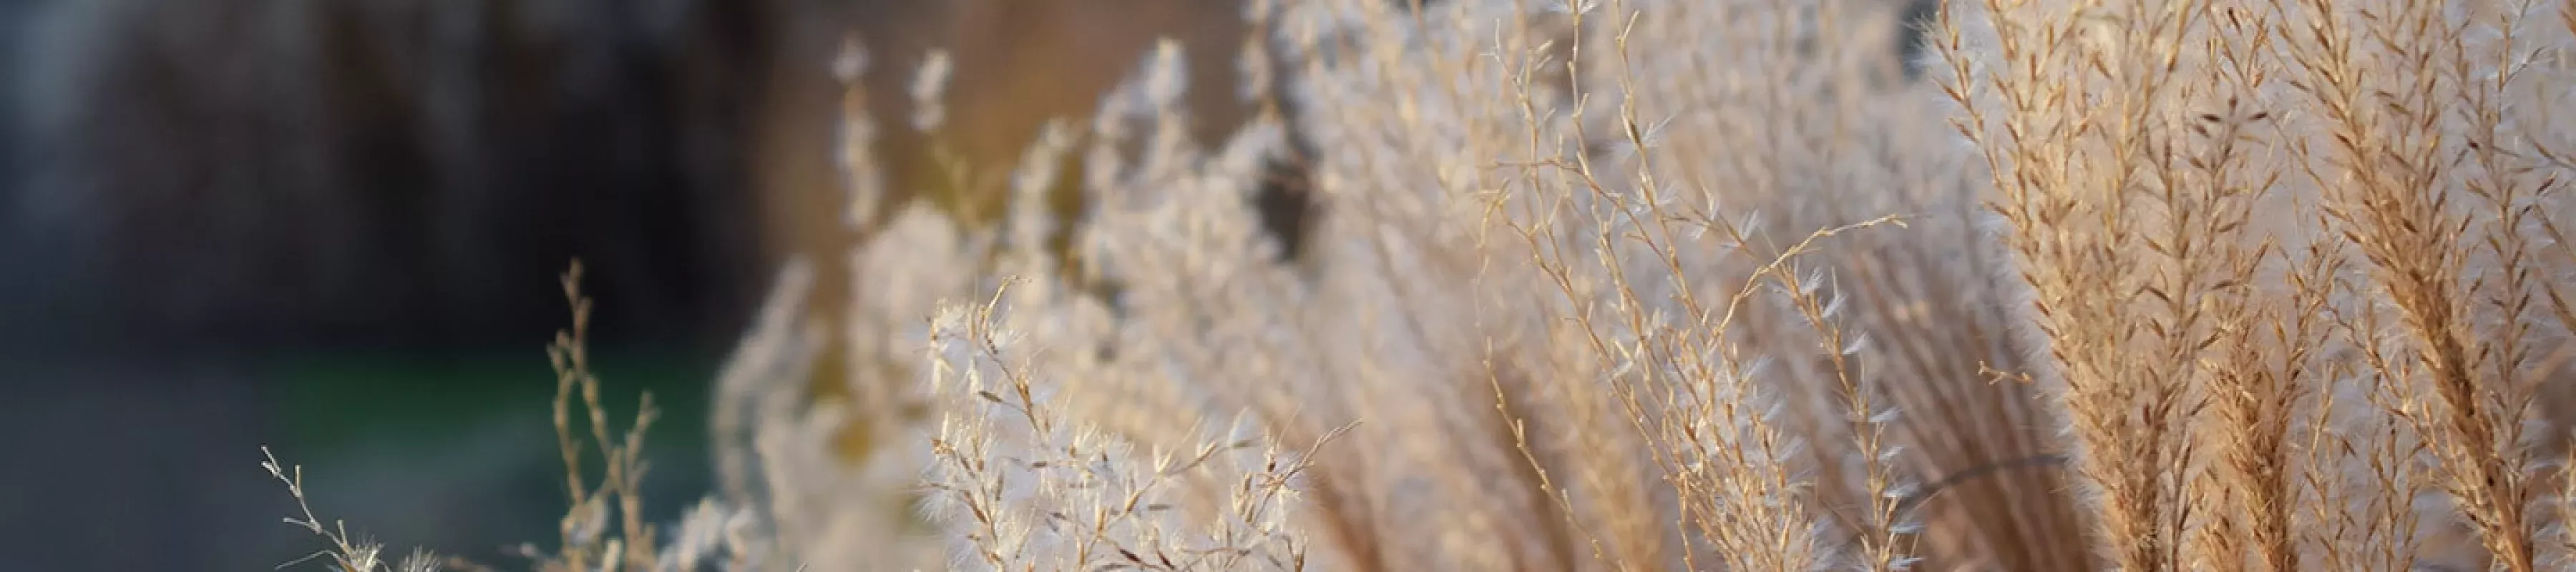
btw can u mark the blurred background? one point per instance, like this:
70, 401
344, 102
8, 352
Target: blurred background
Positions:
333, 228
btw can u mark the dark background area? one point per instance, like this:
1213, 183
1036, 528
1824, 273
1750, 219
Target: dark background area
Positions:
333, 229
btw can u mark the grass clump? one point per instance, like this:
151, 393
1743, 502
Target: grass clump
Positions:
1642, 285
